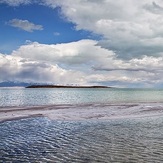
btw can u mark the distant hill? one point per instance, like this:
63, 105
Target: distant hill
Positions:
61, 86
13, 84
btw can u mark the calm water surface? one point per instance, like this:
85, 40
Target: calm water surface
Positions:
26, 97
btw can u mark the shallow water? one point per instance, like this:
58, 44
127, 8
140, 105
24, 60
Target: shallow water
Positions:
135, 134
43, 140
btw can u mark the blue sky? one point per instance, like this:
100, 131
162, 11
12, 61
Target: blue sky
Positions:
56, 29
82, 42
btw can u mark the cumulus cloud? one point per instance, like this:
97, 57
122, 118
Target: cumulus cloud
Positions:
130, 28
127, 26
130, 50
24, 25
146, 64
83, 63
23, 70
73, 53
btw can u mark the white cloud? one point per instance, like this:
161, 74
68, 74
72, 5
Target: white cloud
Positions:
83, 62
154, 7
24, 25
56, 34
127, 26
23, 70
130, 51
15, 2
123, 23
82, 52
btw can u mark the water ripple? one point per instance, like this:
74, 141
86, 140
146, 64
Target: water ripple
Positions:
42, 140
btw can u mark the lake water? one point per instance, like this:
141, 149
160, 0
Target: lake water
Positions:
28, 97
126, 139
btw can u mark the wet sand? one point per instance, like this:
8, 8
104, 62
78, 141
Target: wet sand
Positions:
83, 112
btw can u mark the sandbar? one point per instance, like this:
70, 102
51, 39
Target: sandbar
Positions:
69, 112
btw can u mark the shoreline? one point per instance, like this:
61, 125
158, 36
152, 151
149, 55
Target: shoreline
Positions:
79, 112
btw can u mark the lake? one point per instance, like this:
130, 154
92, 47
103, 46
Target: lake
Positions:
136, 136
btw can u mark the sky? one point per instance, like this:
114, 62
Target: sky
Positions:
82, 42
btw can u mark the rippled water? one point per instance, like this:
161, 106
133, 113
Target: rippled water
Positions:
26, 97
42, 140
126, 139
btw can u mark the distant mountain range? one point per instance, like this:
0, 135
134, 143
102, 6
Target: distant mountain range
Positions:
14, 84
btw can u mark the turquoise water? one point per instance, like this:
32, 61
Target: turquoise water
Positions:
28, 97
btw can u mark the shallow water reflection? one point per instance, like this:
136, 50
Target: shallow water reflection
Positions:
42, 140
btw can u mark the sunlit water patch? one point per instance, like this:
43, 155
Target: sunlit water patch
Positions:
43, 140
31, 97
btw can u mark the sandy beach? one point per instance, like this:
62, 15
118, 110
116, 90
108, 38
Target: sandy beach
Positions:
82, 112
